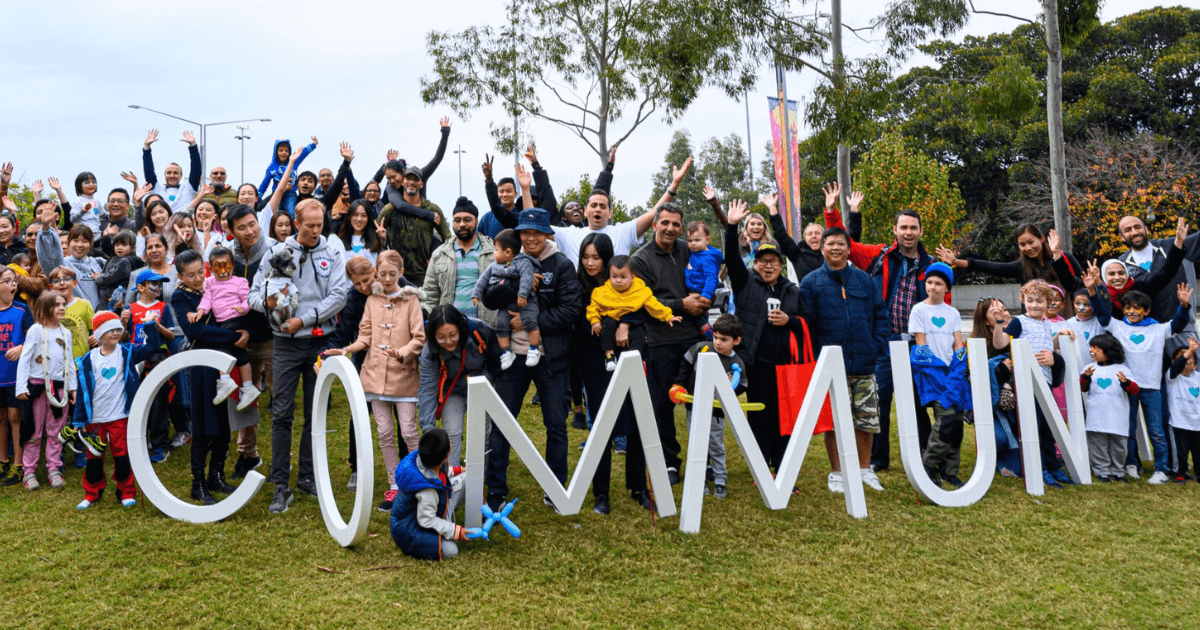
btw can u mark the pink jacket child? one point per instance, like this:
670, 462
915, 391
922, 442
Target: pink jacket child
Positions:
225, 299
228, 300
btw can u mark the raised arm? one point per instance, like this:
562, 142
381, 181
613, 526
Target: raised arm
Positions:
546, 199
710, 195
148, 159
195, 173
605, 178
738, 274
677, 174
428, 170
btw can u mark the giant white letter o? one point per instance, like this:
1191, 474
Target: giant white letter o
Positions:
354, 532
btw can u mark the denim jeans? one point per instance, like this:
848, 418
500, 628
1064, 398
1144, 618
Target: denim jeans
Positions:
1151, 401
555, 391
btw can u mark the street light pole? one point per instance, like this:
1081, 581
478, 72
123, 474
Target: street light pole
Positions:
243, 138
203, 134
460, 153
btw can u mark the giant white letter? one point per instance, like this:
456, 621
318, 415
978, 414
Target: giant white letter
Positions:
1033, 391
355, 531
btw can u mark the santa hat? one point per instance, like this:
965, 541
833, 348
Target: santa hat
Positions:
105, 322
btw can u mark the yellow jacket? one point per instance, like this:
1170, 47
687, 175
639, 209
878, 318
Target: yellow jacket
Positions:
608, 302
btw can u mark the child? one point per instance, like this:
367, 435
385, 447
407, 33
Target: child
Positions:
1083, 324
1144, 340
703, 269
1107, 407
279, 165
420, 523
14, 321
110, 284
727, 333
79, 312
79, 248
619, 296
1032, 327
86, 211
392, 331
45, 375
940, 372
148, 311
1183, 390
512, 266
108, 380
227, 297
22, 265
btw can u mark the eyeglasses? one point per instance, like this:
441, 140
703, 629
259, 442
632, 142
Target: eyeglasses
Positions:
770, 263
62, 280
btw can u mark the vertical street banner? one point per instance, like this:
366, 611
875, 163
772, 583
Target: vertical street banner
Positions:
784, 133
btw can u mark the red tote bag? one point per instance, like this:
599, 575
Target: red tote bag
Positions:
793, 381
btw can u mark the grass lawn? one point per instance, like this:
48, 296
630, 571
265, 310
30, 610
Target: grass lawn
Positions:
1110, 555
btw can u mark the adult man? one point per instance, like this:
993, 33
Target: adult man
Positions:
558, 297
222, 192
899, 273
502, 201
1145, 256
248, 246
454, 268
177, 192
412, 222
320, 279
625, 236
848, 311
324, 181
661, 264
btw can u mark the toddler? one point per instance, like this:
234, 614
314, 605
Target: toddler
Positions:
703, 269
1108, 388
512, 267
227, 297
86, 210
110, 284
1183, 391
421, 522
279, 165
620, 295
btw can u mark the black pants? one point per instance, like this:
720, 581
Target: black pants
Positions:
595, 382
1186, 442
663, 366
764, 388
215, 445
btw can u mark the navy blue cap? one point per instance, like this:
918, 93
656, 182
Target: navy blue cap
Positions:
534, 219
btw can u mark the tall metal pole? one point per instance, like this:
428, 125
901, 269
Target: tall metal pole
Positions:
243, 138
749, 145
839, 84
460, 153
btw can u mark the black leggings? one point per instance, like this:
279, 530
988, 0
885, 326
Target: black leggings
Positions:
1186, 441
764, 388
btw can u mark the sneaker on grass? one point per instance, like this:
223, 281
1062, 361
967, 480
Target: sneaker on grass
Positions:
56, 479
836, 484
389, 497
181, 439
225, 388
159, 455
871, 479
1158, 478
281, 500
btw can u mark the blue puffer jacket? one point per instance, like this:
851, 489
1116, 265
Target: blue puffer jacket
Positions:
847, 311
410, 537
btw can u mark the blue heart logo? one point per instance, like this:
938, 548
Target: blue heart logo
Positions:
1137, 338
172, 197
1194, 391
1104, 382
108, 372
1087, 335
938, 321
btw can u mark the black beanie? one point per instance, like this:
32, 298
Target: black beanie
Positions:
464, 205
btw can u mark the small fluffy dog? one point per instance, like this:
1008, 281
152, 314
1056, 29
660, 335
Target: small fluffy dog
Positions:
281, 287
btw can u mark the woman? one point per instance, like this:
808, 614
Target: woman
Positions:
158, 212
371, 194
1039, 257
155, 257
989, 314
360, 233
248, 195
208, 228
767, 335
752, 235
281, 227
456, 348
180, 231
9, 245
595, 252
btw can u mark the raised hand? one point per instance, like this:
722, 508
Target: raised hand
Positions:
8, 204
487, 165
151, 138
612, 154
771, 201
1091, 276
710, 193
55, 186
206, 190
111, 230
531, 154
677, 173
1052, 241
1089, 370
856, 198
1193, 345
738, 210
947, 255
6, 173
130, 177
314, 139
189, 138
1121, 377
142, 191
1181, 232
444, 122
832, 191
347, 152
392, 154
1184, 292
524, 178
37, 189
380, 230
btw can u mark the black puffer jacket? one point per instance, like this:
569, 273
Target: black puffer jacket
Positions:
760, 339
559, 303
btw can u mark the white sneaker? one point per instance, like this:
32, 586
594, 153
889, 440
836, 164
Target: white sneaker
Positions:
225, 387
871, 479
1158, 478
353, 483
1131, 472
835, 483
533, 357
83, 505
610, 365
248, 396
506, 359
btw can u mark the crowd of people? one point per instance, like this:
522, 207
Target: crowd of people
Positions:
96, 291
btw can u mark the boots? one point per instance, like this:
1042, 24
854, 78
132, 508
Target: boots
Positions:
216, 482
201, 494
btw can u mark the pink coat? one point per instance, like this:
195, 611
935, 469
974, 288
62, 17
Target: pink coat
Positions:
397, 324
220, 297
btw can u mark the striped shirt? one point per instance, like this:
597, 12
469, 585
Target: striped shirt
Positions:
466, 274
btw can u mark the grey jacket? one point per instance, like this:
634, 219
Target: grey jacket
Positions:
50, 255
441, 276
321, 279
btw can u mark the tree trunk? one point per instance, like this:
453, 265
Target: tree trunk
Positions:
839, 83
1058, 164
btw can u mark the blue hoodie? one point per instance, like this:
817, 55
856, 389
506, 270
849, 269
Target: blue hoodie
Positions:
276, 170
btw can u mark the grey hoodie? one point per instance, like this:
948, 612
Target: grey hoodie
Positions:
321, 279
50, 255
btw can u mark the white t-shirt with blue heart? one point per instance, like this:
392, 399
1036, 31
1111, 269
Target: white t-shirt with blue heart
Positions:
108, 392
1183, 396
1084, 331
1107, 402
938, 322
1143, 350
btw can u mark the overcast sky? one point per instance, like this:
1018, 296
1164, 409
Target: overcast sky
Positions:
344, 71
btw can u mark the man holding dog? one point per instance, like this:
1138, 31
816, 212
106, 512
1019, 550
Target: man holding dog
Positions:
320, 277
